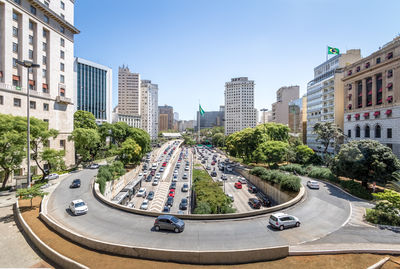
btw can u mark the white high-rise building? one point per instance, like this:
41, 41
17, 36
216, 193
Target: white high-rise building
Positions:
149, 108
42, 32
239, 105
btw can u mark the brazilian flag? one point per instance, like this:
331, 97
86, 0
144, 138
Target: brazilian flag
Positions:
201, 110
332, 50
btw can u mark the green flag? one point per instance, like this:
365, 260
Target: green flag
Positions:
332, 50
201, 110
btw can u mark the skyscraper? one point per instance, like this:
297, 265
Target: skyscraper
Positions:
129, 92
239, 105
43, 34
169, 112
280, 111
93, 84
149, 108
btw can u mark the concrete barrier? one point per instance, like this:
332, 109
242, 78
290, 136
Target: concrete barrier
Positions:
54, 256
289, 203
180, 256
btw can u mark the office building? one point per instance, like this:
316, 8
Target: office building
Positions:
280, 108
44, 34
163, 122
93, 84
183, 125
298, 117
176, 116
239, 105
210, 119
265, 116
149, 108
169, 112
325, 95
372, 97
129, 92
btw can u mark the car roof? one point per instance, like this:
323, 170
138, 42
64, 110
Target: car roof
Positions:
164, 217
279, 215
77, 201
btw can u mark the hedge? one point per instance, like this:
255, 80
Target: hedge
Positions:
109, 172
380, 217
288, 182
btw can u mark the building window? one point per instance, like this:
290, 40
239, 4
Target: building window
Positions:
46, 3
378, 60
44, 33
358, 131
46, 19
62, 42
62, 67
62, 92
15, 16
379, 89
1, 100
17, 102
367, 131
46, 107
30, 39
390, 73
378, 131
33, 10
389, 55
367, 64
44, 60
389, 133
62, 5
15, 31
18, 2
44, 46
62, 29
62, 16
30, 25
62, 79
62, 143
44, 73
32, 104
45, 89
359, 94
62, 54
348, 133
15, 47
14, 63
369, 91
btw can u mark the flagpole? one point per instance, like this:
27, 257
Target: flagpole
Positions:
327, 52
198, 124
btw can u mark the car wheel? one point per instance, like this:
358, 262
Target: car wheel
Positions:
281, 227
297, 224
157, 228
176, 230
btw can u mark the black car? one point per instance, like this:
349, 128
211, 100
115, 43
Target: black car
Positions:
149, 178
150, 196
76, 183
173, 185
166, 209
264, 201
184, 204
213, 174
170, 201
254, 203
252, 189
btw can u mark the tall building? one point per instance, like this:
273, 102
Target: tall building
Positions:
239, 105
41, 32
185, 124
149, 108
298, 117
93, 84
169, 112
163, 122
372, 97
129, 92
325, 95
265, 115
280, 108
176, 116
210, 119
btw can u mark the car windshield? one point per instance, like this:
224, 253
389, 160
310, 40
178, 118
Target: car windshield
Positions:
273, 218
184, 200
79, 204
175, 219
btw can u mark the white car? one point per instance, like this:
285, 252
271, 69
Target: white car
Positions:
229, 169
78, 207
94, 166
52, 176
282, 221
175, 179
155, 182
158, 176
208, 167
140, 175
141, 192
161, 169
187, 168
185, 176
131, 205
312, 184
144, 205
230, 197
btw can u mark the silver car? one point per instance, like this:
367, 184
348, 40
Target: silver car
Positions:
281, 221
312, 184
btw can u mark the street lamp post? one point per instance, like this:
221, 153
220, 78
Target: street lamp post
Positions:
28, 65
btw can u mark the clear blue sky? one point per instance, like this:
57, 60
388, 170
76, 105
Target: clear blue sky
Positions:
191, 48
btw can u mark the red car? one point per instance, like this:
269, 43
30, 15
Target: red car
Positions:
164, 164
212, 163
165, 152
238, 185
171, 193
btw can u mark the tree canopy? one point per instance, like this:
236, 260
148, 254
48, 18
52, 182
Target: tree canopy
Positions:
328, 133
84, 119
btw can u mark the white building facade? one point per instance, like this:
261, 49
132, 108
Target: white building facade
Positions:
239, 105
149, 108
41, 32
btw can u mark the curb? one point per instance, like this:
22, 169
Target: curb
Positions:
57, 258
355, 250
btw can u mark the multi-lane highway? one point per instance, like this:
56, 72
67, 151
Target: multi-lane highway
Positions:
322, 212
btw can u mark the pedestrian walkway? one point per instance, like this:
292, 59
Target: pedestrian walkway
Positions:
357, 215
158, 202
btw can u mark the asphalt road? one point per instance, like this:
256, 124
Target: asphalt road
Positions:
321, 213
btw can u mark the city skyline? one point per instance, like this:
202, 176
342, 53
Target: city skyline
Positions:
188, 42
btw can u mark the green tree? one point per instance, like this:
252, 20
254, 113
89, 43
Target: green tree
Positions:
120, 132
218, 139
274, 151
391, 199
366, 160
275, 131
40, 135
303, 154
202, 208
142, 138
328, 133
54, 159
87, 143
129, 152
30, 193
85, 120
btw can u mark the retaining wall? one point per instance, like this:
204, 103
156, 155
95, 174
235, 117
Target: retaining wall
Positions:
113, 187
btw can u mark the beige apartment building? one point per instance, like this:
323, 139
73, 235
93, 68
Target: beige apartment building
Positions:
41, 32
129, 92
169, 112
280, 112
163, 122
372, 97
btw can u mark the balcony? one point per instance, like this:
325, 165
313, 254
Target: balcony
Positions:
63, 100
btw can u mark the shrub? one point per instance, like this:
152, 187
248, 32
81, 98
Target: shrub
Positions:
381, 217
108, 173
321, 173
290, 182
299, 169
356, 189
287, 182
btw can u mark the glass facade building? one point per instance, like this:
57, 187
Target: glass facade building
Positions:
93, 89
